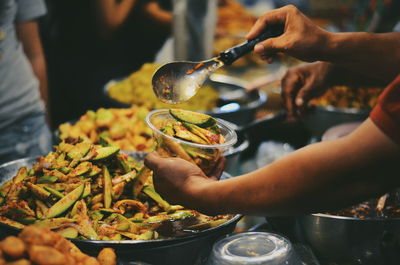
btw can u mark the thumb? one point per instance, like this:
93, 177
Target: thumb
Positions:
153, 160
269, 46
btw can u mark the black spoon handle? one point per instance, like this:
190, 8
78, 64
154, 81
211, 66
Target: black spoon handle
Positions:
234, 53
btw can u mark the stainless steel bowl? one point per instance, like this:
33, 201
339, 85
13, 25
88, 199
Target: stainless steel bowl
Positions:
346, 240
186, 250
323, 118
235, 104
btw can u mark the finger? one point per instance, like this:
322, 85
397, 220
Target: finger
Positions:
277, 16
290, 83
218, 169
153, 160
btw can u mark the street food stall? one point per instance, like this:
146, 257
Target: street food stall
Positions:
91, 200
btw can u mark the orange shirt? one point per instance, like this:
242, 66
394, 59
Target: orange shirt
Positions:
386, 114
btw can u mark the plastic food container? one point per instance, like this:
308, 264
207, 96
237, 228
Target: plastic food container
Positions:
167, 146
253, 248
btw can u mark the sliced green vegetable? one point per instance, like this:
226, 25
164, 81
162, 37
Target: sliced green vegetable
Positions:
107, 189
68, 232
106, 152
200, 119
78, 151
183, 133
140, 180
86, 191
38, 191
47, 179
149, 191
54, 192
54, 223
10, 222
62, 205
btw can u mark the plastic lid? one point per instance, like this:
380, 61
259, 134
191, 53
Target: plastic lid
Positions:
259, 248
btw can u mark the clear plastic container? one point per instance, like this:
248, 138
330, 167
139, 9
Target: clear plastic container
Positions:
167, 146
253, 248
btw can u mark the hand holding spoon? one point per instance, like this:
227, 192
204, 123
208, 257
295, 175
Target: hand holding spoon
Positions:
177, 82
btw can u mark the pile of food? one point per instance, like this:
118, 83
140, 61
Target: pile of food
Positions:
349, 97
88, 191
233, 23
124, 128
137, 89
192, 127
387, 206
42, 247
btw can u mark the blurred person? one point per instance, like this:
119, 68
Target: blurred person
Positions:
23, 81
322, 176
88, 43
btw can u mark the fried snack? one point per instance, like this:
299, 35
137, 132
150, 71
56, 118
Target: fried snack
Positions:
191, 127
233, 22
349, 97
137, 89
88, 191
40, 246
124, 128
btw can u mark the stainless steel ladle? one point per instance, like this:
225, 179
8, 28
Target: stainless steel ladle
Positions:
177, 82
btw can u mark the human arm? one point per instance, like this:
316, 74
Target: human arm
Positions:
111, 14
376, 55
28, 34
322, 176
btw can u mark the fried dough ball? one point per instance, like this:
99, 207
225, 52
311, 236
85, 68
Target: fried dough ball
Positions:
13, 247
19, 262
107, 257
45, 255
90, 261
39, 236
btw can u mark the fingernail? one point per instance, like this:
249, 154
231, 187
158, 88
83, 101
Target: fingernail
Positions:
299, 102
259, 48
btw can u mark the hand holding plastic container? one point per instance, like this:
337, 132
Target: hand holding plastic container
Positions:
195, 137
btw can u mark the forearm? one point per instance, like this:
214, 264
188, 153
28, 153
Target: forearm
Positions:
318, 177
111, 14
370, 54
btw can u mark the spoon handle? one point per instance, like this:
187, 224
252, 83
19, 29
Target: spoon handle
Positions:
234, 53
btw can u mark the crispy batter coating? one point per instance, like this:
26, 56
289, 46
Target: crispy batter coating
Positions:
13, 247
107, 257
40, 246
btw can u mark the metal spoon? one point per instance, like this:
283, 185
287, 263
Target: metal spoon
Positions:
177, 82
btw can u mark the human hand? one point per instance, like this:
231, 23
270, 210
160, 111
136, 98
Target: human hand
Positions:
301, 38
178, 180
301, 84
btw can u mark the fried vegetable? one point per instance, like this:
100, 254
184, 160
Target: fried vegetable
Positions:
140, 181
107, 194
66, 202
106, 152
92, 200
199, 119
149, 191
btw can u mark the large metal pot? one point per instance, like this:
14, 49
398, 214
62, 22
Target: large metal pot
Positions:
346, 240
190, 249
323, 118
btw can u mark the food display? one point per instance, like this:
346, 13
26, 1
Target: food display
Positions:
40, 246
193, 136
137, 89
233, 23
387, 206
87, 191
124, 128
349, 97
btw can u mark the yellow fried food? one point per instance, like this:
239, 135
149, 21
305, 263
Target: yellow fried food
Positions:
137, 89
349, 97
107, 257
41, 246
125, 128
